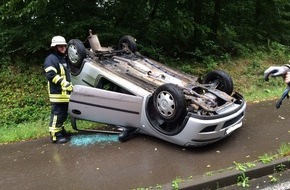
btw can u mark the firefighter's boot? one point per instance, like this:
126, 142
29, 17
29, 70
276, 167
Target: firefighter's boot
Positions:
58, 138
126, 133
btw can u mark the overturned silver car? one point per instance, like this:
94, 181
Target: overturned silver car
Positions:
122, 87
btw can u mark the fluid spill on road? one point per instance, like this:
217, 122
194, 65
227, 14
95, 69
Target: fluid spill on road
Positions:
84, 140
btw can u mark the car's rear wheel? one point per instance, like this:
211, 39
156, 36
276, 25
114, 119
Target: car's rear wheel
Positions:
128, 42
76, 52
169, 102
220, 80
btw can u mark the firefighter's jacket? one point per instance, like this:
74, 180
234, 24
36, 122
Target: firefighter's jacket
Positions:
56, 70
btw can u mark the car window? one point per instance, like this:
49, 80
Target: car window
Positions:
106, 84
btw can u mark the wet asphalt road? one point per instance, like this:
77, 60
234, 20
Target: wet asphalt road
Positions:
142, 161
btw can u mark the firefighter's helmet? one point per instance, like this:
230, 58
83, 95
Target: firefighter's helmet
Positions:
57, 40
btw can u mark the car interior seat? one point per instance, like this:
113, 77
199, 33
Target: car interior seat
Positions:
95, 43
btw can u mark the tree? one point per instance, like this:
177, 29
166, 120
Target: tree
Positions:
181, 28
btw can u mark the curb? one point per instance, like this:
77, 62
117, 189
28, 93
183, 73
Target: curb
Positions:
228, 178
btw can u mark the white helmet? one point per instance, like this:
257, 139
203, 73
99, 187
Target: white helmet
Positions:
57, 40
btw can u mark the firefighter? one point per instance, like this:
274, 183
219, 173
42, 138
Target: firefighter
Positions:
59, 88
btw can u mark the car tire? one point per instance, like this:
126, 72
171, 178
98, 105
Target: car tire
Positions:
169, 103
129, 41
222, 79
76, 52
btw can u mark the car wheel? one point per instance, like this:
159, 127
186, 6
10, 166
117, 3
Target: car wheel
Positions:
128, 41
169, 102
221, 80
76, 52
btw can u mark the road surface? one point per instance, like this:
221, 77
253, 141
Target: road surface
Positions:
140, 162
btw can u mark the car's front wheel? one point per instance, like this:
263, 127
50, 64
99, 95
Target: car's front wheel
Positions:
76, 52
169, 102
220, 80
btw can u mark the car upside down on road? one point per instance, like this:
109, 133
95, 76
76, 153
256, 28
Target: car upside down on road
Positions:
122, 87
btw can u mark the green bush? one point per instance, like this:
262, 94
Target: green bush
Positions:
24, 94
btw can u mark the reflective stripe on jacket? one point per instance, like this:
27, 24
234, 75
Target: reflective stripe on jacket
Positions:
55, 67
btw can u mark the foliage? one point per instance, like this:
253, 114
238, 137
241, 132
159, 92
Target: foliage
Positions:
281, 167
24, 95
176, 182
273, 179
243, 181
196, 30
240, 167
23, 131
284, 149
243, 167
266, 158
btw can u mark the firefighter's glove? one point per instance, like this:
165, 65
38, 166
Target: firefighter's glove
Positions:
65, 85
275, 71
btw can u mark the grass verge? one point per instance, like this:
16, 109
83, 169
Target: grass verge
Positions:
25, 108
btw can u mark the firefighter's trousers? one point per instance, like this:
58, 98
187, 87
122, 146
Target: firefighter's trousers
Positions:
59, 113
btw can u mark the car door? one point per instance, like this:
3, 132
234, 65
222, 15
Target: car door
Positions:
104, 106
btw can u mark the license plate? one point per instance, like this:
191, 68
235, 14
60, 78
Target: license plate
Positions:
228, 131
